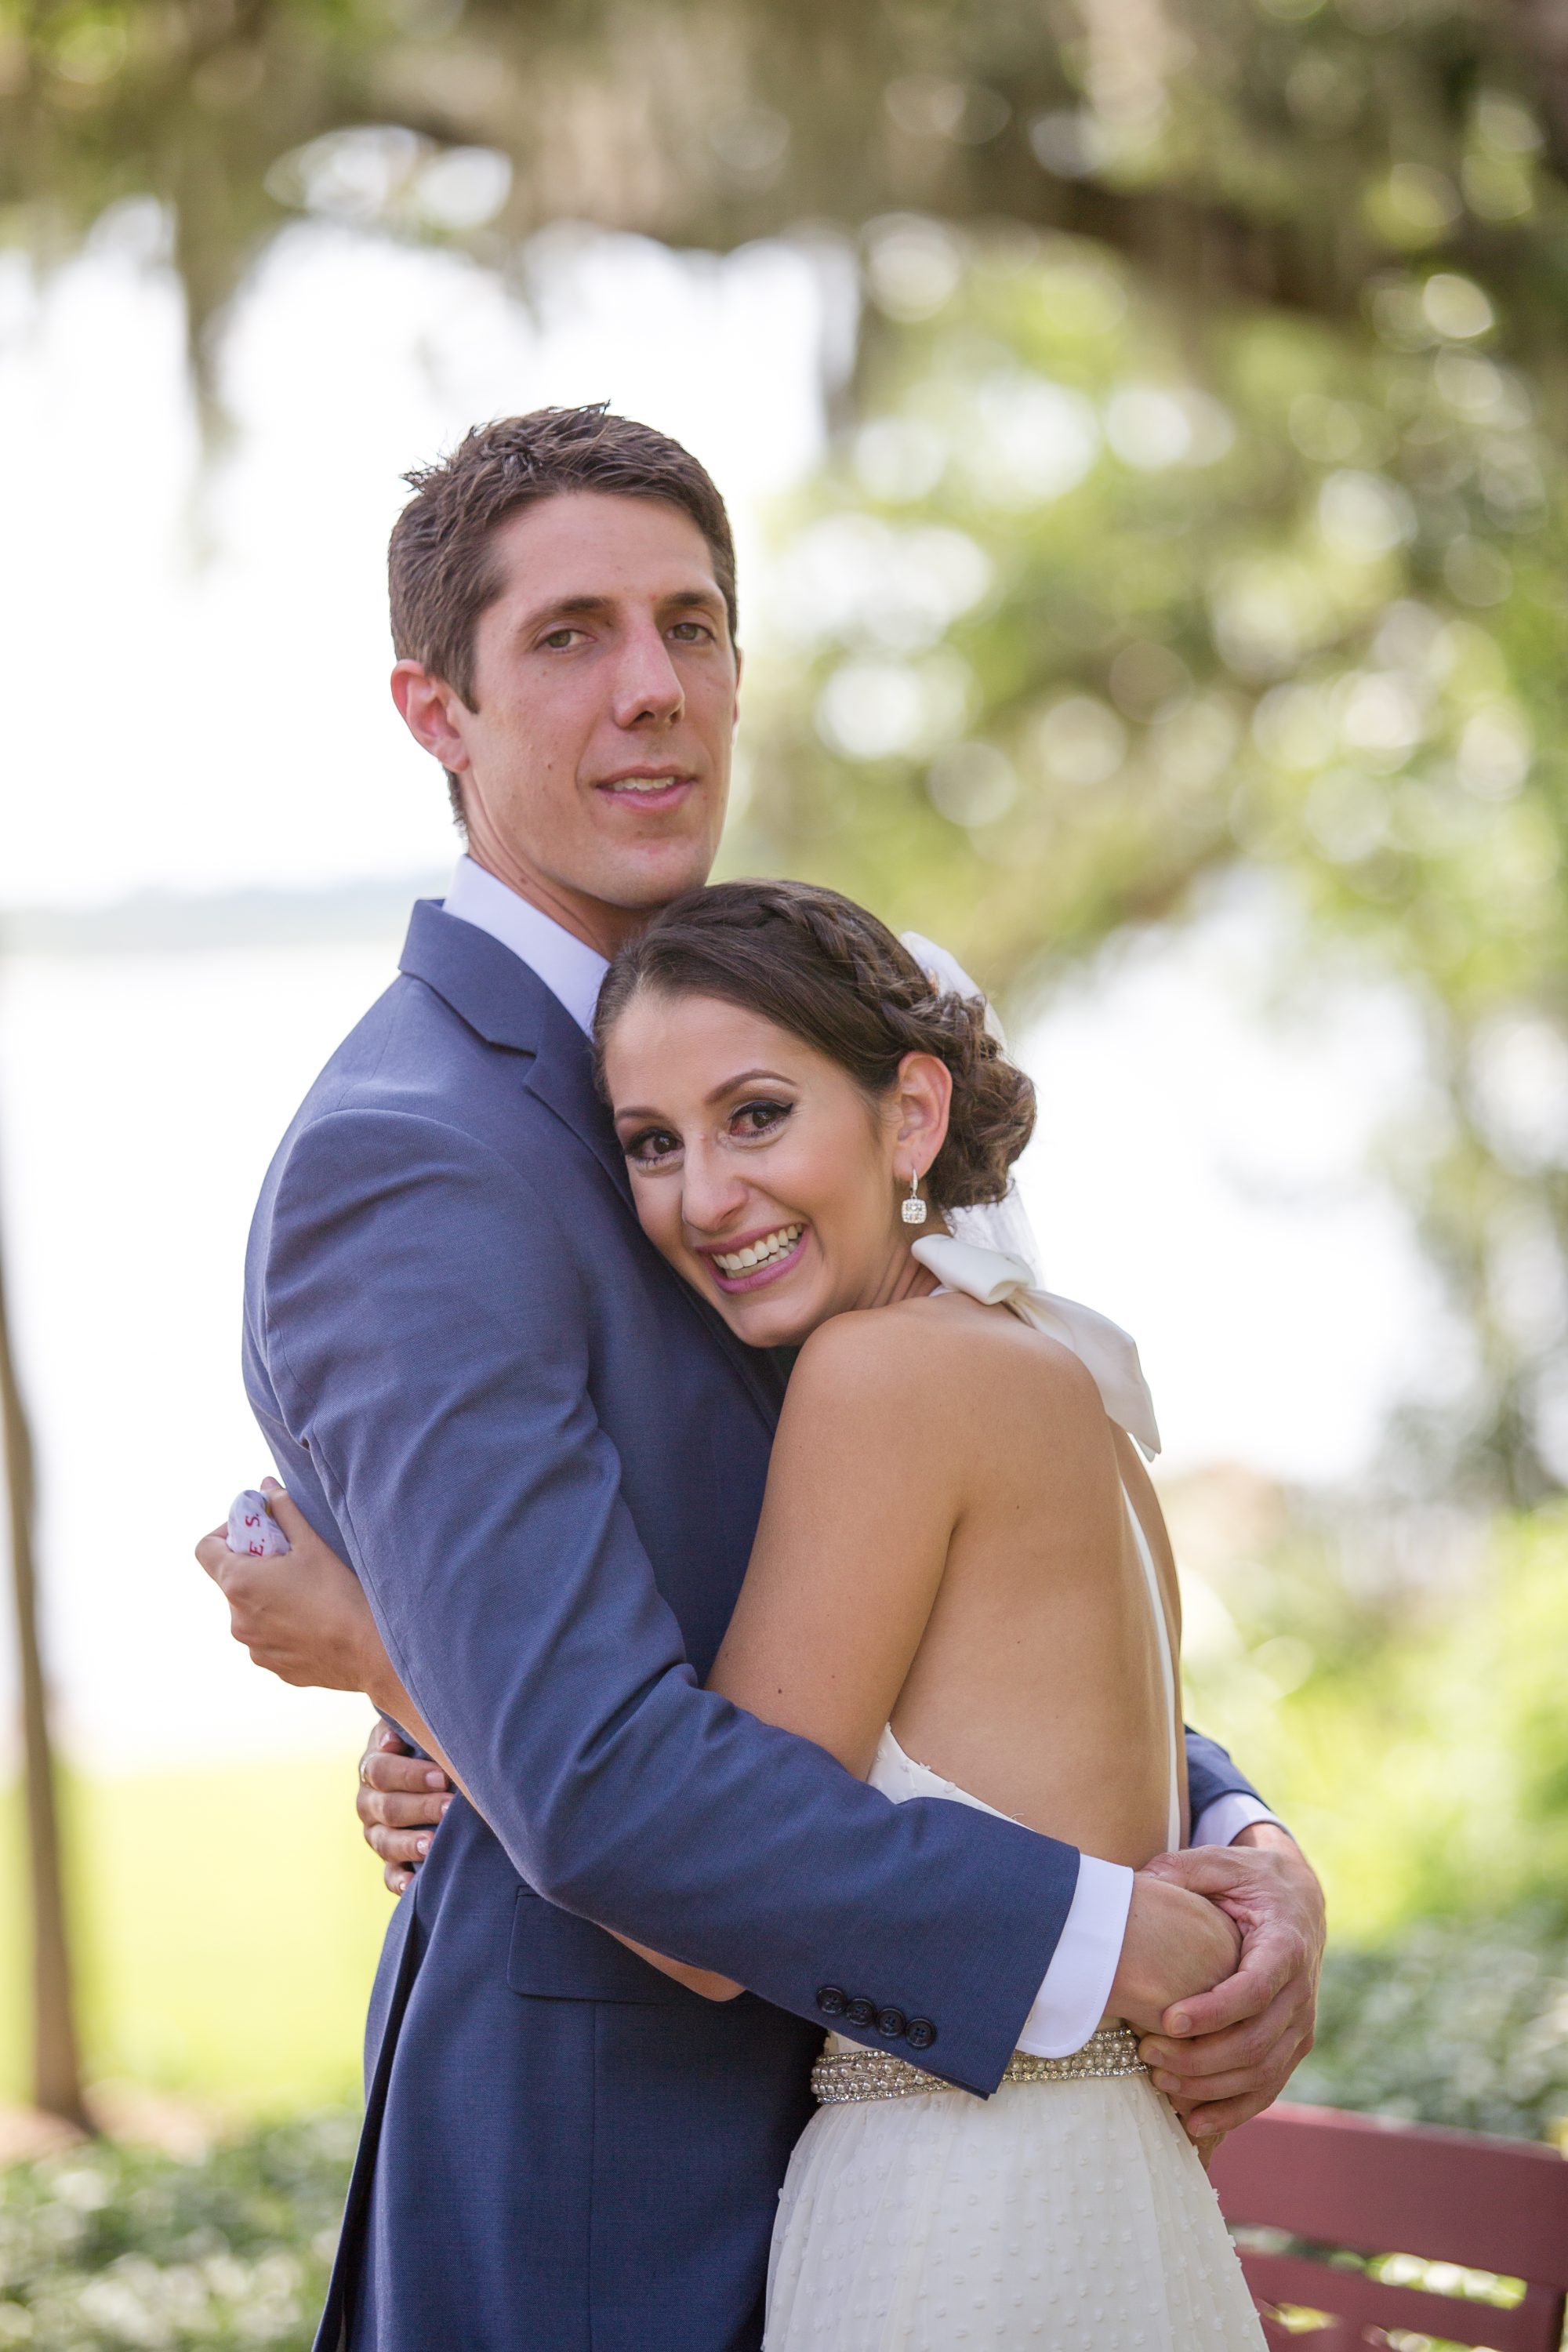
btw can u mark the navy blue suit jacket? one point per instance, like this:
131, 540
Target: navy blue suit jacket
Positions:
545, 1457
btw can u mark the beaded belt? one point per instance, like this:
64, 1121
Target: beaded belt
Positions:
840, 2076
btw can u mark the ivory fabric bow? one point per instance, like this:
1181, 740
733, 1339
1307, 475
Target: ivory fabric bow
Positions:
1106, 1352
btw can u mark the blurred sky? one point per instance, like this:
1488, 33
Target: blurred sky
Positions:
198, 666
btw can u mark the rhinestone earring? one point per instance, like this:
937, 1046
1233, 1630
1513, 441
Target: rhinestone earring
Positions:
914, 1208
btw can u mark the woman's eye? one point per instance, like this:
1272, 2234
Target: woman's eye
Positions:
754, 1119
654, 1144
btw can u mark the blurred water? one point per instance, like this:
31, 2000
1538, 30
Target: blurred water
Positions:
143, 1097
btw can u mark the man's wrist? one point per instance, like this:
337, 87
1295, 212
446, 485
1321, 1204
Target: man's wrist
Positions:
1273, 1837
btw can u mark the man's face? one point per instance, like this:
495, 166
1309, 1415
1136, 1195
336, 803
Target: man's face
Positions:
595, 767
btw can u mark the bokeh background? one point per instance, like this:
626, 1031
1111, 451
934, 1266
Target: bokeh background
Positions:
1144, 425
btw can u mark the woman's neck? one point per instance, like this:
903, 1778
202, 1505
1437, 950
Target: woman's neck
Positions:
905, 1277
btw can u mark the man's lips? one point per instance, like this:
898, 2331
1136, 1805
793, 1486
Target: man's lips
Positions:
773, 1251
648, 788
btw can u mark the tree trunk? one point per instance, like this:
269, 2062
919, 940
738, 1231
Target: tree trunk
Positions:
56, 2073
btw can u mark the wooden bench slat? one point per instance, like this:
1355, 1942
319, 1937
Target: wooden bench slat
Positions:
1364, 2302
1363, 2183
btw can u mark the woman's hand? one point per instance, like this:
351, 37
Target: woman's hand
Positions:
402, 1798
300, 1613
1177, 1944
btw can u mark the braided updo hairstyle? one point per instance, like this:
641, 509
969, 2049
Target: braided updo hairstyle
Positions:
819, 966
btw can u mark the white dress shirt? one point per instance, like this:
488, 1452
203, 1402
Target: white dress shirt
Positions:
1076, 1989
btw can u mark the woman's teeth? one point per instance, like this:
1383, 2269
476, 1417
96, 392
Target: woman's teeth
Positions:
756, 1254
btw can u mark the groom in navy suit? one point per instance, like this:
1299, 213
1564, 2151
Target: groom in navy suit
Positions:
545, 1458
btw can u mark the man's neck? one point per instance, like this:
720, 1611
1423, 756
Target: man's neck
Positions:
603, 928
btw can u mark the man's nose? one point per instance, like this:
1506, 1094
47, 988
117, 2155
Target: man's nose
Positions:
648, 684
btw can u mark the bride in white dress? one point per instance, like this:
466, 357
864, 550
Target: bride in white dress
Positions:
961, 1586
961, 1562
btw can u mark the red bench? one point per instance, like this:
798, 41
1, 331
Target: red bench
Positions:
1369, 2186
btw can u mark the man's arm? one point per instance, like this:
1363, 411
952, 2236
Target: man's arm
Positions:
427, 1339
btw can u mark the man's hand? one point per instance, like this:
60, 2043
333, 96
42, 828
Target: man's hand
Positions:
401, 1800
1225, 2055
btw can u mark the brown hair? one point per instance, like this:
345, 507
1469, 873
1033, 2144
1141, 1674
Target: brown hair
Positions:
440, 567
834, 976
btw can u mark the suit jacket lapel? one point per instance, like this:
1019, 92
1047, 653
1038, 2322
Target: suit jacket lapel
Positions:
507, 1004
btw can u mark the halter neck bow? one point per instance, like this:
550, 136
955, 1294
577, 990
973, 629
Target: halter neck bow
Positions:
1105, 1351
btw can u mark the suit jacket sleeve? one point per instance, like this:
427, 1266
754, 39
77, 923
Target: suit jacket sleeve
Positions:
1211, 1773
426, 1333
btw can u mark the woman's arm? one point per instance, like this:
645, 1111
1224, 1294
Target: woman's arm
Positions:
863, 1497
864, 1493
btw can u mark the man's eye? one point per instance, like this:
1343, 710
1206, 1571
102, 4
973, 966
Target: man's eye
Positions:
756, 1119
654, 1144
691, 632
559, 639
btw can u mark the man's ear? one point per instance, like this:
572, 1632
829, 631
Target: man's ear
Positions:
432, 713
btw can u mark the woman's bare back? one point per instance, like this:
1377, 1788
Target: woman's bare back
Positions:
945, 1545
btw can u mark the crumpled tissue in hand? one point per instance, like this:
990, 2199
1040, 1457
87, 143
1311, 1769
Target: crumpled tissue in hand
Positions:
252, 1528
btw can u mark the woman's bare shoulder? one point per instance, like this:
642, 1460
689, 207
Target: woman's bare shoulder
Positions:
924, 1361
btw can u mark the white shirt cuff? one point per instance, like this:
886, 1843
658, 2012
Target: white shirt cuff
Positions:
1077, 1989
1223, 1821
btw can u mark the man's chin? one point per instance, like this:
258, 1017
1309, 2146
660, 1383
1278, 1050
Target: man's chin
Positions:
640, 881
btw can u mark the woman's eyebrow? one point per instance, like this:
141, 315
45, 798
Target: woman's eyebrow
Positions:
746, 1079
725, 1087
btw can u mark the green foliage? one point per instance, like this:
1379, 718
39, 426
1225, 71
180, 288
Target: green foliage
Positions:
1397, 1691
1101, 597
217, 1953
1459, 2022
111, 2246
1277, 150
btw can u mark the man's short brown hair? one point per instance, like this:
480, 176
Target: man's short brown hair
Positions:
441, 569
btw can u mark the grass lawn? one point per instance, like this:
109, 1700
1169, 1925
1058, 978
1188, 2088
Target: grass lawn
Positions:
228, 1923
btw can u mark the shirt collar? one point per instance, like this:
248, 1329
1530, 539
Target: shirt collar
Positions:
573, 972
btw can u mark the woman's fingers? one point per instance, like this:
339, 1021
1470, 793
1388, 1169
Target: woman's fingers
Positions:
402, 1776
380, 1811
288, 1514
408, 1847
212, 1552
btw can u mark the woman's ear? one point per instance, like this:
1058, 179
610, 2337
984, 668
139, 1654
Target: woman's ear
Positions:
923, 1100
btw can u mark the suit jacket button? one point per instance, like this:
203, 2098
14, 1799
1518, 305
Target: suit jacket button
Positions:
860, 2012
832, 2000
919, 2032
892, 2022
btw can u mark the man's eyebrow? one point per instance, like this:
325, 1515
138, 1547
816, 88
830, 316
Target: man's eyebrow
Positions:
590, 605
565, 608
590, 608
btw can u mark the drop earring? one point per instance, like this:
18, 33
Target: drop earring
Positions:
914, 1208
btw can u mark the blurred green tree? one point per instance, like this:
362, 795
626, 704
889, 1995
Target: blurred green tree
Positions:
1200, 501
1103, 596
1260, 151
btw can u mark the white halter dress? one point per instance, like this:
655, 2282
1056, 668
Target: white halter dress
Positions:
1060, 2215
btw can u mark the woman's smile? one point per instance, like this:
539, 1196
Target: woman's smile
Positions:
758, 1258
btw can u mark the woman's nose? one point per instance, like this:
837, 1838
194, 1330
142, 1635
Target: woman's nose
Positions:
713, 1195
